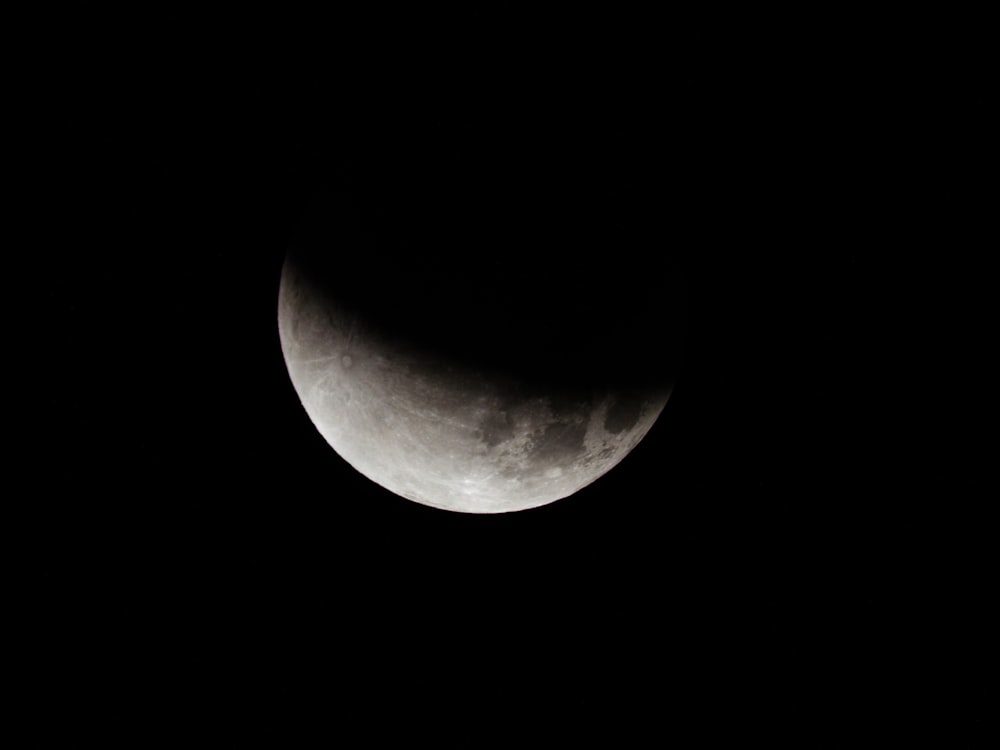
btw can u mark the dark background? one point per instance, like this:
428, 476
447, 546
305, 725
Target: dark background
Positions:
763, 549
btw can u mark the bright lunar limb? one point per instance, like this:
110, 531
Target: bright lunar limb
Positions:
441, 434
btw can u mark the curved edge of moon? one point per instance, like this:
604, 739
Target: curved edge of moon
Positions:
443, 437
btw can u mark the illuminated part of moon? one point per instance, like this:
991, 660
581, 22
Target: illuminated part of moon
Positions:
441, 435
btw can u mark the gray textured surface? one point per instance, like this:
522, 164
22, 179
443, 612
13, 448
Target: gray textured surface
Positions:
449, 438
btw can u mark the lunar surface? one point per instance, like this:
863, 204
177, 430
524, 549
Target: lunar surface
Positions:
485, 322
444, 433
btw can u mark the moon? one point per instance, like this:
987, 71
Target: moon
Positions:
441, 432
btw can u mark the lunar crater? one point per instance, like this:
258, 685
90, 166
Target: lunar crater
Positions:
622, 415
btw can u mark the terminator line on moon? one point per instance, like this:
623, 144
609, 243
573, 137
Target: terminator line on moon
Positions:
440, 434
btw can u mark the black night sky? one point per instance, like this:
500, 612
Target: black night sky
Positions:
189, 513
